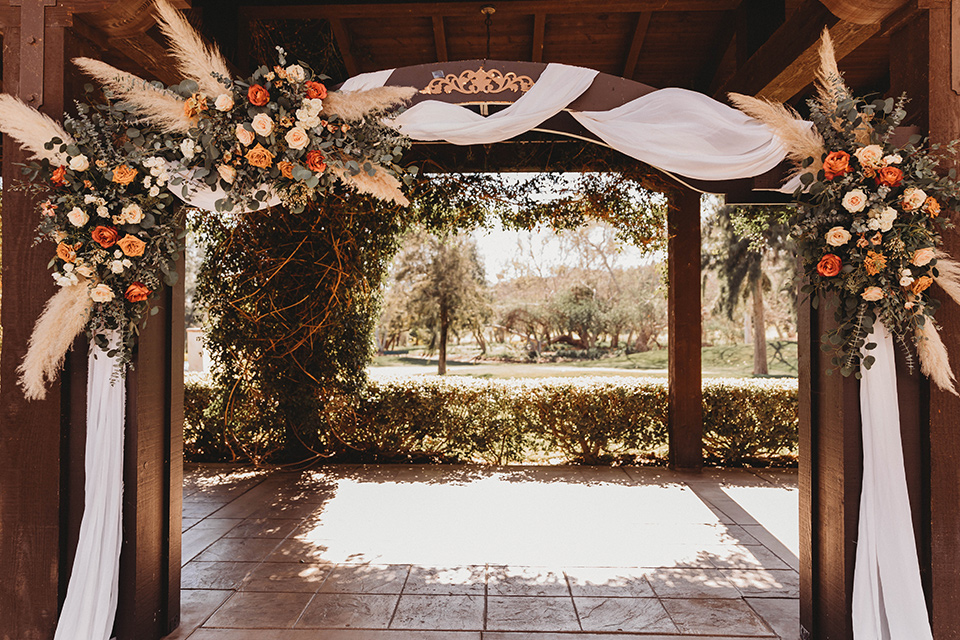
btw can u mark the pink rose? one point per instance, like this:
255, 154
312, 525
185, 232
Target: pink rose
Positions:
245, 137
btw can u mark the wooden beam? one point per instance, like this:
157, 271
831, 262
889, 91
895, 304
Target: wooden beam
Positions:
472, 9
343, 44
439, 38
788, 61
636, 44
685, 396
539, 29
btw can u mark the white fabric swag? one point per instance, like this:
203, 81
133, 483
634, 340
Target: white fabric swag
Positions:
91, 601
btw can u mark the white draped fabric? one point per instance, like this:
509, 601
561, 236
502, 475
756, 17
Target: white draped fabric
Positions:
202, 196
558, 86
888, 601
91, 601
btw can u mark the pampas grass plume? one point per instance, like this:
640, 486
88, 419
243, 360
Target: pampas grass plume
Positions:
156, 106
381, 185
32, 129
62, 320
949, 278
800, 139
355, 105
934, 361
195, 59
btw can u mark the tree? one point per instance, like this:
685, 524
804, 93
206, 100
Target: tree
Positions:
445, 287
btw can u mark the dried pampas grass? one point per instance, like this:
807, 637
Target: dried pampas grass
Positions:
800, 139
934, 361
62, 320
949, 278
829, 82
32, 129
195, 59
355, 105
156, 106
381, 185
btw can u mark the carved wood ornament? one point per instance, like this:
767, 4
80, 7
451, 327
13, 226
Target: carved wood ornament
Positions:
479, 81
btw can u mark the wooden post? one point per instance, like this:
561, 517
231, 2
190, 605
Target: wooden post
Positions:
42, 443
685, 397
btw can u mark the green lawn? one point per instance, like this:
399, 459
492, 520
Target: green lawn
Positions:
718, 361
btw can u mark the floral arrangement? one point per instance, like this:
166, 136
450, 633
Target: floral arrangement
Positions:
869, 217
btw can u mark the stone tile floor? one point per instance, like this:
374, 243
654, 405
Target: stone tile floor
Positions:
480, 553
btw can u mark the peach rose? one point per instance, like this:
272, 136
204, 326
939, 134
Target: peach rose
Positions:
102, 293
244, 135
854, 201
316, 91
131, 246
913, 198
137, 292
259, 157
124, 174
922, 257
66, 252
921, 284
829, 265
870, 157
106, 237
890, 176
872, 294
59, 177
224, 102
931, 206
297, 138
836, 165
262, 124
837, 237
258, 96
286, 169
315, 161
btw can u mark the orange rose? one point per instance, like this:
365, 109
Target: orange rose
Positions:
131, 246
258, 96
286, 169
315, 161
316, 91
106, 237
194, 105
890, 176
137, 292
124, 174
59, 176
931, 206
829, 265
875, 262
66, 252
836, 165
921, 284
259, 157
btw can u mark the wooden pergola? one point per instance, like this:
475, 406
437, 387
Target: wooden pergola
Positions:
765, 47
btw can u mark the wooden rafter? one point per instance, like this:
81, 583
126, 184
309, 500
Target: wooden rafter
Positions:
343, 44
440, 39
539, 29
636, 45
788, 61
449, 9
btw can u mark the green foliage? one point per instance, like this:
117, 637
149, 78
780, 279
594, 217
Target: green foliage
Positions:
589, 420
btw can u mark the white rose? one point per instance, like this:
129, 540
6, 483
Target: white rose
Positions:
132, 213
296, 73
263, 124
89, 199
307, 121
116, 266
297, 138
102, 293
78, 217
855, 201
67, 268
244, 136
906, 281
227, 173
154, 191
873, 224
837, 237
913, 198
103, 212
224, 102
893, 158
79, 163
313, 105
65, 280
887, 216
870, 156
186, 148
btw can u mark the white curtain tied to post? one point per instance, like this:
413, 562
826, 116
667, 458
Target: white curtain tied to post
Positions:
675, 130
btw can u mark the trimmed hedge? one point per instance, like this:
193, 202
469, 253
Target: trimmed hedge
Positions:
589, 420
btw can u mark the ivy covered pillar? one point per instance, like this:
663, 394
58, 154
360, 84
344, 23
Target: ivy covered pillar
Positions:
685, 397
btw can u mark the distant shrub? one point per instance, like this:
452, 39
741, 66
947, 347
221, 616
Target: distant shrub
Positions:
589, 420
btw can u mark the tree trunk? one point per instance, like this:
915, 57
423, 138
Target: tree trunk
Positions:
759, 331
444, 329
